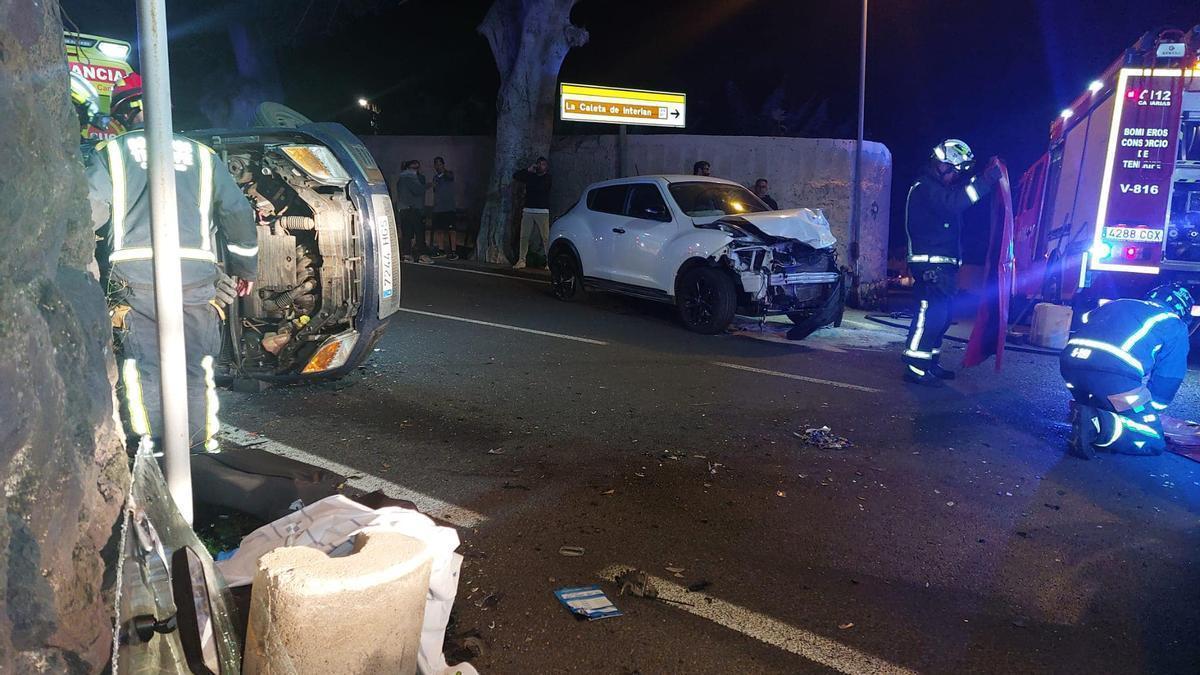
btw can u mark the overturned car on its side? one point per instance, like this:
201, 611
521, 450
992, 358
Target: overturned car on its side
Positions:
709, 246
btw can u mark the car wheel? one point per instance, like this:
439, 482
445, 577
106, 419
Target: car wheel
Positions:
707, 300
565, 277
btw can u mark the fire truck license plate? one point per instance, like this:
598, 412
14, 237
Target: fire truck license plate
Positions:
1143, 234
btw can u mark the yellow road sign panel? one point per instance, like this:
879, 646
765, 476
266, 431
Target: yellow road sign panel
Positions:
590, 103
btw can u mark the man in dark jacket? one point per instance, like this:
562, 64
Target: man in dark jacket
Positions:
209, 204
762, 189
410, 202
934, 222
1123, 368
537, 206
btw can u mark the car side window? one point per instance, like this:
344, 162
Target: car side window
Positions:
646, 202
609, 199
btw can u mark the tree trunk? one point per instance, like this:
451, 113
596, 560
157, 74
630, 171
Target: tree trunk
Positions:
62, 460
529, 40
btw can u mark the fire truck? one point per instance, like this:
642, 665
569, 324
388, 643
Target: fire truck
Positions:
102, 63
1113, 207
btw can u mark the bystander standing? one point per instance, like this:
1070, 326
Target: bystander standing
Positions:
410, 200
444, 223
537, 207
763, 189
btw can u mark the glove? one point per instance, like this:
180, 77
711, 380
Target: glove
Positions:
226, 290
993, 173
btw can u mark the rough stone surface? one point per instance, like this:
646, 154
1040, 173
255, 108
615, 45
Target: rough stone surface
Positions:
61, 458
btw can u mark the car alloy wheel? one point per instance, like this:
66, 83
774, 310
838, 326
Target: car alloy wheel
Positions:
564, 276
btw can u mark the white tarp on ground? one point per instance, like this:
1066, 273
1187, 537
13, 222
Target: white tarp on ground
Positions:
330, 526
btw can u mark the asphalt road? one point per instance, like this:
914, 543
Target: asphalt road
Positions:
953, 536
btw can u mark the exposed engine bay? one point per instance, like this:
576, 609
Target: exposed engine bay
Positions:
778, 275
310, 259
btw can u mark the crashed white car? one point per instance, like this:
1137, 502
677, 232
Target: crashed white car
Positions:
709, 246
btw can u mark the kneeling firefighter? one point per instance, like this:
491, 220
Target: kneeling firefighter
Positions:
1123, 368
934, 223
209, 204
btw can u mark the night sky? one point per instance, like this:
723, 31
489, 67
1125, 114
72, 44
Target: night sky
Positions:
994, 74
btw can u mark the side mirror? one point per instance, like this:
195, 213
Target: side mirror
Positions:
655, 213
194, 612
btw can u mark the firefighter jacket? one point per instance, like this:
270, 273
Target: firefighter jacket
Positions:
208, 203
1137, 338
933, 218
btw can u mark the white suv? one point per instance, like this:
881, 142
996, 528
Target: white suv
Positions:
707, 245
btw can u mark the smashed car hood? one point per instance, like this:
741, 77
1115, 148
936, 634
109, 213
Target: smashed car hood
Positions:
809, 226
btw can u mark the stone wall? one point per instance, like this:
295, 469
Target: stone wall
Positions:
804, 172
61, 457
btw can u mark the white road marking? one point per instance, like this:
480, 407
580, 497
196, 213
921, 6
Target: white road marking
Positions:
803, 378
452, 268
816, 648
504, 326
361, 480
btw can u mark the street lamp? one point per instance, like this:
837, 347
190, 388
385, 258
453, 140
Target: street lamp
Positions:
370, 107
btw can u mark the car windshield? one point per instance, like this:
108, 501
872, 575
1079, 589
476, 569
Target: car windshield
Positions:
701, 199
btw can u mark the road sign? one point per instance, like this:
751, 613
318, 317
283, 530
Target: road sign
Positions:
588, 103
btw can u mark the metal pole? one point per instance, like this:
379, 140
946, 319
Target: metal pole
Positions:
164, 231
856, 200
622, 151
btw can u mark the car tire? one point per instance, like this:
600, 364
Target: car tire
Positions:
566, 276
706, 299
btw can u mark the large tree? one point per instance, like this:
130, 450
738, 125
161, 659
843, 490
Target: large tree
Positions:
529, 40
62, 463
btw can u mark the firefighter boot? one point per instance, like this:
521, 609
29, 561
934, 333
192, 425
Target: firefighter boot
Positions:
917, 375
1085, 428
941, 373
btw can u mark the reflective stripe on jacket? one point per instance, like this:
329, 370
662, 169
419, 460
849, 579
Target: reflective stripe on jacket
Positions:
933, 218
1133, 337
207, 200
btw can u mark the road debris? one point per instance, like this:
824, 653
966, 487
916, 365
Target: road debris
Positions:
823, 438
496, 451
587, 602
697, 586
780, 493
636, 583
846, 626
571, 551
608, 492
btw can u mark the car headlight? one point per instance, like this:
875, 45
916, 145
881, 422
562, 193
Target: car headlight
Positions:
333, 353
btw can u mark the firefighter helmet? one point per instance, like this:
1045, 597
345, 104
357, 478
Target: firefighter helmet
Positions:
1174, 297
86, 100
127, 101
956, 153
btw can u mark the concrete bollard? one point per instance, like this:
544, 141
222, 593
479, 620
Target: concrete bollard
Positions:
361, 613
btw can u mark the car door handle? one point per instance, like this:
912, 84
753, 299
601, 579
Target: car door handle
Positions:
619, 230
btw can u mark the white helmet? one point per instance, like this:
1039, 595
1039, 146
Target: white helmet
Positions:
956, 153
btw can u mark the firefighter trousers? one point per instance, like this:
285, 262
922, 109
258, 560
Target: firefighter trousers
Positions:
934, 289
1112, 403
138, 363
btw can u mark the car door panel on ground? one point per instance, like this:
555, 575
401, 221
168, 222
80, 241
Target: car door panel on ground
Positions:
648, 227
607, 223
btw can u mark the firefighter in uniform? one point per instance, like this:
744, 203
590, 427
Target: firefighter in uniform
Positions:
209, 204
934, 222
1123, 368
